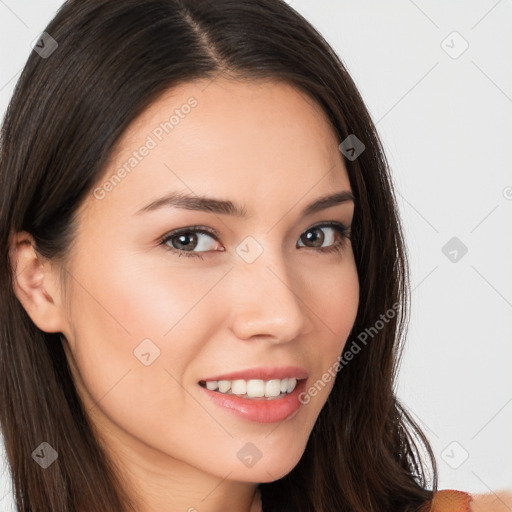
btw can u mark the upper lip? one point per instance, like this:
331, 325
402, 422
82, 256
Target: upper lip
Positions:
263, 373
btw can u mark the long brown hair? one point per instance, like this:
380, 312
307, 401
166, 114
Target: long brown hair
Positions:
113, 59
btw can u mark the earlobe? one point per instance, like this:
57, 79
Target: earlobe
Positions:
33, 284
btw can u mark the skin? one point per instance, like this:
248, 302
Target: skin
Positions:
499, 501
270, 148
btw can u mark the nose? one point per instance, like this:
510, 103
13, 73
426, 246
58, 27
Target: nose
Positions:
267, 300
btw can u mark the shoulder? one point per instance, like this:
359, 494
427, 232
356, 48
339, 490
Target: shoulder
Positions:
500, 501
450, 500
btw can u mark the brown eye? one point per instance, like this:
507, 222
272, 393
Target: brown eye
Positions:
316, 236
184, 241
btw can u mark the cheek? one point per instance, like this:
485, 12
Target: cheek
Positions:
141, 297
335, 304
124, 309
139, 320
334, 298
340, 301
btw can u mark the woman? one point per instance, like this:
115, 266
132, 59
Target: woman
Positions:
204, 281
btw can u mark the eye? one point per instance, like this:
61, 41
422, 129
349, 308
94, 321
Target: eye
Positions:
186, 240
316, 236
183, 241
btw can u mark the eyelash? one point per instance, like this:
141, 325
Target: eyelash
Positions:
337, 247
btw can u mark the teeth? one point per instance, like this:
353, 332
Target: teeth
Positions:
213, 384
224, 385
254, 388
238, 387
273, 387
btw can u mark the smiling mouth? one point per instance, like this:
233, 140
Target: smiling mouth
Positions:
253, 389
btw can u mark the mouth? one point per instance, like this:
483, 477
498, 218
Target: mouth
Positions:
264, 382
253, 389
260, 409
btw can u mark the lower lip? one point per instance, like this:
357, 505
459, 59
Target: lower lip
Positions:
259, 410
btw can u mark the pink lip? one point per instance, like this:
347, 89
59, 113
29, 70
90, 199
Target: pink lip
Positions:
263, 373
259, 410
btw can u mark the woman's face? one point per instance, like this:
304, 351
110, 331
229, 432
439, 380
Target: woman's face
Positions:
253, 294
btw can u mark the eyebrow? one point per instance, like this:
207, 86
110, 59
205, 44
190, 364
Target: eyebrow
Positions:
225, 207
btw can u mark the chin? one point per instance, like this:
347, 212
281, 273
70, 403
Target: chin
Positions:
268, 469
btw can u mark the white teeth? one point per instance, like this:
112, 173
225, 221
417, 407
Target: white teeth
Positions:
239, 387
254, 388
224, 385
273, 387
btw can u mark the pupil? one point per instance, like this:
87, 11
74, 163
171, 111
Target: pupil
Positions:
311, 237
185, 236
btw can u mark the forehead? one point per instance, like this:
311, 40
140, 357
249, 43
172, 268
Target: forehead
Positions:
225, 137
202, 113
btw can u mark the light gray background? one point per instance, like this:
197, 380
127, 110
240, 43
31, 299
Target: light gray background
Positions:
446, 123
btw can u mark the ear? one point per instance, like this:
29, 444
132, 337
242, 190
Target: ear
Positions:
35, 284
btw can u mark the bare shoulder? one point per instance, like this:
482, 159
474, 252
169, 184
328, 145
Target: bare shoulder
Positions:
500, 501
